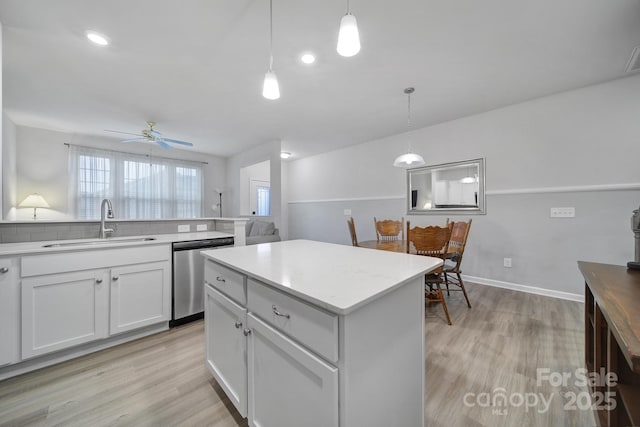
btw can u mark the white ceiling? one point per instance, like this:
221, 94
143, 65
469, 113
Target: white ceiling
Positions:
196, 66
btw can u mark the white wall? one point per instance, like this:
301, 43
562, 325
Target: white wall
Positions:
267, 151
9, 168
259, 171
582, 138
42, 159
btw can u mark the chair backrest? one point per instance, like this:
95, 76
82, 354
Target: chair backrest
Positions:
431, 240
458, 240
352, 231
388, 229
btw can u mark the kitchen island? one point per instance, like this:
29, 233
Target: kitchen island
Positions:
317, 334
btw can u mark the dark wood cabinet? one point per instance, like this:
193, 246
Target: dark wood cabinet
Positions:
612, 340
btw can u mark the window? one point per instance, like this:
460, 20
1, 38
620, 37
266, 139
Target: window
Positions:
263, 201
139, 186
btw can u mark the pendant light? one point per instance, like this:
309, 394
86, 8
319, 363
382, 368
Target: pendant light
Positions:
348, 37
270, 89
409, 160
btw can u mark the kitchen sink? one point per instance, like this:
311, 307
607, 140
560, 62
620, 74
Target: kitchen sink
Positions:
98, 242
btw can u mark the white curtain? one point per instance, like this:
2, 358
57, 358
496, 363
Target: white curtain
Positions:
139, 186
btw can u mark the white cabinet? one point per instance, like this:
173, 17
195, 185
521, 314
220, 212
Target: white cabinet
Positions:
139, 296
63, 310
226, 346
72, 298
318, 348
264, 369
288, 385
9, 311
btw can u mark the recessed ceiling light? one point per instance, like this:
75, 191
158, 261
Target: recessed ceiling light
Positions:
97, 38
285, 155
308, 58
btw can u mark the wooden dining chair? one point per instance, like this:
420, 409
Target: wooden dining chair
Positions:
389, 229
457, 243
352, 231
431, 241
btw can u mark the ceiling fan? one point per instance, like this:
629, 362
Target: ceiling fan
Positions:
151, 135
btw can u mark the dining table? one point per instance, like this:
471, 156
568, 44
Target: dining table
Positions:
385, 245
395, 246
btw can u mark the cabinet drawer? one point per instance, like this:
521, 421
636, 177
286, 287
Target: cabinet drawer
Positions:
229, 282
311, 326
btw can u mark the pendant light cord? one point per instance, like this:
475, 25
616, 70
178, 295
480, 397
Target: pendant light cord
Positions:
408, 122
348, 9
270, 35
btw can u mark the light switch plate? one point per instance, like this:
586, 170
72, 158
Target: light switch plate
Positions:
347, 212
507, 263
568, 212
184, 228
201, 227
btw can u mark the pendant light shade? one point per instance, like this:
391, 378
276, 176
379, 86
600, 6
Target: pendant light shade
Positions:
270, 89
348, 37
409, 160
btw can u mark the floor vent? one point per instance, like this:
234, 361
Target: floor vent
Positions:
634, 61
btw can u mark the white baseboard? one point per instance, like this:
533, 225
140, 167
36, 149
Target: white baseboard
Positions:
524, 288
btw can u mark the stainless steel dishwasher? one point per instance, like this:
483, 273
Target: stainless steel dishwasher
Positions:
188, 278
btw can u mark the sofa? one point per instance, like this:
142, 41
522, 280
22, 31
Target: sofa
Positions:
258, 231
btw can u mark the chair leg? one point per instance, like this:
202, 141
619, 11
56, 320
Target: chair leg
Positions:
464, 291
444, 304
446, 281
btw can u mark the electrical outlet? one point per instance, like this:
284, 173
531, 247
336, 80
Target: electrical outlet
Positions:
569, 212
347, 212
201, 227
184, 228
507, 262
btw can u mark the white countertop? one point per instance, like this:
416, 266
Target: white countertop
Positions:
28, 248
338, 278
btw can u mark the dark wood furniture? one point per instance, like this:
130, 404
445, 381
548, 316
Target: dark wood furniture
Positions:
431, 241
612, 338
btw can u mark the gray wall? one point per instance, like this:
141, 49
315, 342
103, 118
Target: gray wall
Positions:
549, 152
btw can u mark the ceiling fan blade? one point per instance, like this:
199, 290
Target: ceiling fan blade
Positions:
175, 141
163, 144
135, 140
155, 134
126, 133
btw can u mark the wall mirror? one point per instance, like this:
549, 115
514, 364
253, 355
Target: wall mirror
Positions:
448, 188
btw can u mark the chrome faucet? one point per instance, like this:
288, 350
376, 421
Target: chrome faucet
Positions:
103, 229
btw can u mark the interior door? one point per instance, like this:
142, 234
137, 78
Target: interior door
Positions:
288, 385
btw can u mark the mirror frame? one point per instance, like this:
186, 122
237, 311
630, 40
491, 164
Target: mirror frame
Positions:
479, 210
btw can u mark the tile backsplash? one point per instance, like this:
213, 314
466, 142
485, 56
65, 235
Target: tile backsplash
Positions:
12, 232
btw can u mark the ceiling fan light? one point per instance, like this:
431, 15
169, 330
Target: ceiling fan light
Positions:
270, 89
409, 160
348, 37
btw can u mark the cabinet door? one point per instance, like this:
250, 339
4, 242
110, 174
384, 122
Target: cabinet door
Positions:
226, 346
9, 311
63, 310
288, 385
140, 296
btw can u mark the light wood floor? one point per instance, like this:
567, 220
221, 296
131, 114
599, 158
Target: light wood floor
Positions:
162, 381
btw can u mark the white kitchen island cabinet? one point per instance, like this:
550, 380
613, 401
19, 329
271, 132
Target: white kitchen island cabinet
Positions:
317, 334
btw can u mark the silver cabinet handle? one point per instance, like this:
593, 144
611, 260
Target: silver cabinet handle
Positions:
277, 313
246, 331
98, 281
115, 278
220, 279
4, 270
238, 324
